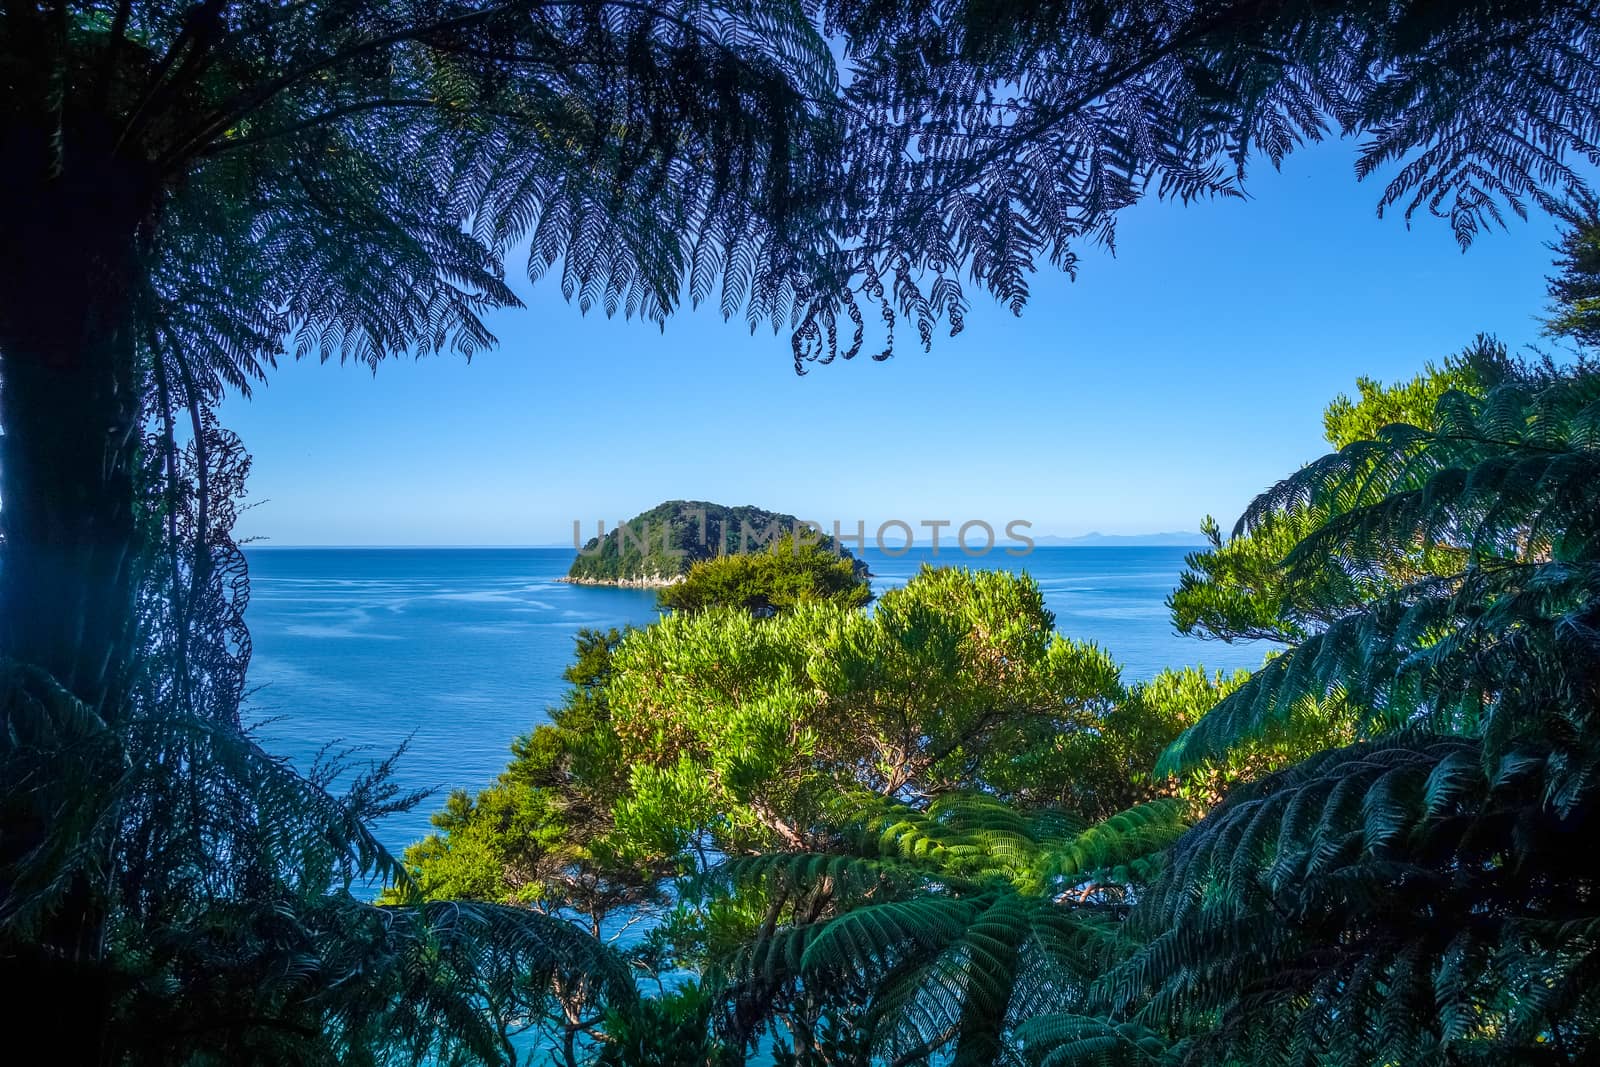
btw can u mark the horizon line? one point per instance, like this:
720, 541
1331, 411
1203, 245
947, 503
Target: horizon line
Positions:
1039, 543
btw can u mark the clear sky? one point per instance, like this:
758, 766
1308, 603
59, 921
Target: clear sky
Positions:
1179, 378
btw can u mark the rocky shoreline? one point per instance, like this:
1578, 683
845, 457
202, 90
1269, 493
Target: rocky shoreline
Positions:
653, 581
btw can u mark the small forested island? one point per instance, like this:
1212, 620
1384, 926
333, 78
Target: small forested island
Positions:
657, 547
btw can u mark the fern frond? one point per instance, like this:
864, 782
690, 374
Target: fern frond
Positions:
1369, 903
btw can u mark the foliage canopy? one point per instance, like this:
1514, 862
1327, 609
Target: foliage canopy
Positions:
791, 572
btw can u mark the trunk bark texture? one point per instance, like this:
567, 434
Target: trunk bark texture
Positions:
70, 412
71, 219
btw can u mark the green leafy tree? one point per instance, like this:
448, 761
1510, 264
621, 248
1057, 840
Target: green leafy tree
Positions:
748, 726
792, 571
543, 835
775, 761
720, 730
1144, 722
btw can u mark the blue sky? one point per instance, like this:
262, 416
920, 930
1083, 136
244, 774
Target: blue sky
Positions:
1179, 378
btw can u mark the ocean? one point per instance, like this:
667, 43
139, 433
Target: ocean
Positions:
453, 652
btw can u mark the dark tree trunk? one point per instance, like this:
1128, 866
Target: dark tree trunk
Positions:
70, 231
69, 410
67, 483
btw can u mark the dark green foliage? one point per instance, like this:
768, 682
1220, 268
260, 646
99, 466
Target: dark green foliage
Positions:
790, 572
672, 1030
215, 905
1575, 290
1419, 897
833, 1042
662, 544
936, 931
170, 893
1405, 900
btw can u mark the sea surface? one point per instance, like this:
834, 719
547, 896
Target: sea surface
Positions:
454, 652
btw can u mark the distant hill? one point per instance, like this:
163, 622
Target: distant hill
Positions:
1177, 538
657, 547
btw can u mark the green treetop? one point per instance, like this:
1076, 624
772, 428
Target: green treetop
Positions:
716, 728
791, 572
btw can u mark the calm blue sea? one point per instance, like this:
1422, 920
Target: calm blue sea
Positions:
460, 650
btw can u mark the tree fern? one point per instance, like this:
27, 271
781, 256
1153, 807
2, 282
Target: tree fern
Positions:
1396, 899
947, 925
1058, 1039
1411, 898
1007, 135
